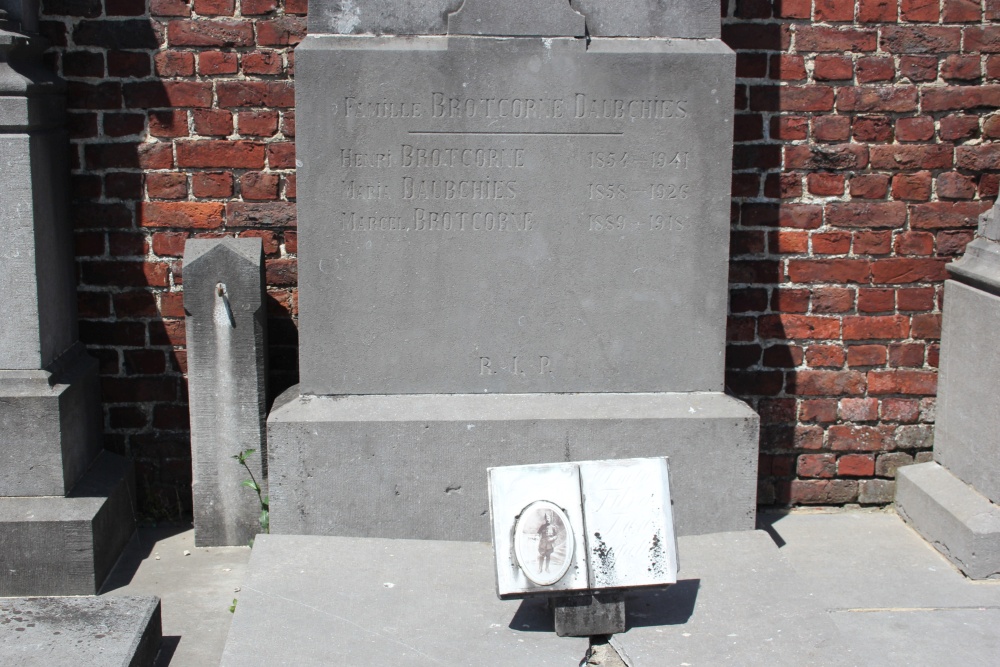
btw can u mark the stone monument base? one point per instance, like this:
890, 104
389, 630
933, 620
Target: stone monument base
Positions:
960, 522
414, 465
68, 545
51, 631
352, 601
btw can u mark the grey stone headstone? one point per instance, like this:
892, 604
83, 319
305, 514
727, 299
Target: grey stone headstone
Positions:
519, 215
226, 342
523, 18
695, 19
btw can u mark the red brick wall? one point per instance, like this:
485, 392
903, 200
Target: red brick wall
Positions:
862, 160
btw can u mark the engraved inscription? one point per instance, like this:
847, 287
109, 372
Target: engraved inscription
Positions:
516, 365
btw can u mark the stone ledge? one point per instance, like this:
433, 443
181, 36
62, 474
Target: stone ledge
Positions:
960, 522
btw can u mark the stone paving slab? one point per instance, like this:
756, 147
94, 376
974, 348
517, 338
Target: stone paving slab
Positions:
77, 631
737, 602
359, 601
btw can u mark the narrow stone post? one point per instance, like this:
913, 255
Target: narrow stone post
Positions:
226, 344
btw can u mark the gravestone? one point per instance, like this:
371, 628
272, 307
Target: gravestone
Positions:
227, 377
954, 501
66, 507
514, 223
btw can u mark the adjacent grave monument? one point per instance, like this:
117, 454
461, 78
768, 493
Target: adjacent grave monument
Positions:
66, 507
954, 501
514, 226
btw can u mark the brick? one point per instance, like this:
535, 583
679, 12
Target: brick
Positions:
789, 128
262, 63
914, 243
213, 32
281, 272
791, 98
136, 34
209, 154
978, 158
793, 9
856, 465
257, 123
782, 356
833, 10
903, 382
887, 464
816, 465
827, 383
788, 242
829, 270
784, 186
958, 128
993, 67
831, 243
876, 300
283, 31
919, 128
991, 127
872, 128
215, 7
787, 67
128, 64
866, 355
836, 40
256, 94
269, 240
106, 95
904, 410
906, 355
912, 187
257, 7
869, 186
126, 244
826, 300
870, 242
281, 155
910, 157
168, 124
921, 39
825, 184
744, 185
212, 122
960, 98
216, 63
919, 10
876, 327
853, 438
942, 215
821, 410
825, 356
166, 185
832, 157
259, 186
188, 215
746, 243
264, 214
831, 128
174, 63
983, 39
877, 11
798, 327
91, 215
83, 64
124, 7
915, 299
833, 68
918, 68
124, 124
128, 155
926, 326
866, 214
872, 69
904, 270
961, 68
120, 273
953, 185
169, 244
152, 94
787, 300
754, 36
169, 8
823, 492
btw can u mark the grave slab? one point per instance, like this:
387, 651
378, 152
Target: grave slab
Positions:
68, 545
227, 384
956, 519
316, 600
413, 466
523, 215
65, 631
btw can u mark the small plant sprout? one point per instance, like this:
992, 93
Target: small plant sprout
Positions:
265, 521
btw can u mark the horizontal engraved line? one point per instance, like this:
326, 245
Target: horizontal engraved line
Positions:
522, 134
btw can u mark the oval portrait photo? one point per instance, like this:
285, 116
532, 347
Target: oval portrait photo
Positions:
543, 542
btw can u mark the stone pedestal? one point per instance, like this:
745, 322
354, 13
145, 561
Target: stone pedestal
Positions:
227, 379
514, 249
65, 512
954, 501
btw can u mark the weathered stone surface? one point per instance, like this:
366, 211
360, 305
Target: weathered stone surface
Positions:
522, 18
36, 279
49, 632
227, 375
623, 18
876, 491
67, 546
957, 520
968, 408
414, 466
484, 230
50, 426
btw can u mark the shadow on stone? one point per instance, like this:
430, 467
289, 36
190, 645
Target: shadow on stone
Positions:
138, 549
534, 615
168, 646
669, 606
